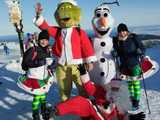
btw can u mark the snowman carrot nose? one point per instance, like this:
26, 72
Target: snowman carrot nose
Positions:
103, 22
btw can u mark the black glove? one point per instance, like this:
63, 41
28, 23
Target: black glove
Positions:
139, 116
24, 67
142, 57
51, 69
82, 69
140, 52
53, 65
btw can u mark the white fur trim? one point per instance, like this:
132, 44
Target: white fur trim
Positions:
70, 1
67, 44
147, 74
38, 72
39, 91
101, 117
72, 61
38, 21
90, 59
67, 54
109, 110
85, 78
135, 112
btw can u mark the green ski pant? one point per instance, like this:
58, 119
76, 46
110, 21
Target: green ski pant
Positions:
134, 86
37, 100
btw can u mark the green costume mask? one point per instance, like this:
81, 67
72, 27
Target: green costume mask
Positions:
67, 15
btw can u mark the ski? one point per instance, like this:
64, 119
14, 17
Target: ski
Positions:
136, 115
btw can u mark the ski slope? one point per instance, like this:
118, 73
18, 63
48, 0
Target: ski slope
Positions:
15, 104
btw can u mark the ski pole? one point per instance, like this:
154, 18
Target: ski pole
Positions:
145, 91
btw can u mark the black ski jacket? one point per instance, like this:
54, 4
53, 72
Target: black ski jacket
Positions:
128, 51
39, 60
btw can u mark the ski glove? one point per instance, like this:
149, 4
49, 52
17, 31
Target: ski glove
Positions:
53, 65
139, 51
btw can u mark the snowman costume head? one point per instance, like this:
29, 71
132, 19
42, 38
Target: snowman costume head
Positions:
102, 21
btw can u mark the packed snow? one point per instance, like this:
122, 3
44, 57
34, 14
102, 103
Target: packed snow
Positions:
15, 104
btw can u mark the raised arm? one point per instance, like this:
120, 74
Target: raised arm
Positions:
40, 22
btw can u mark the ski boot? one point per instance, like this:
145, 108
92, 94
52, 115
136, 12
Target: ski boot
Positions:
35, 115
46, 111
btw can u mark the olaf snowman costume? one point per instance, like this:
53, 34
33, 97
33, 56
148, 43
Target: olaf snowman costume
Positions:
104, 70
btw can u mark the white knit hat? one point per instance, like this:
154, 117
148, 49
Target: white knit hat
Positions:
69, 1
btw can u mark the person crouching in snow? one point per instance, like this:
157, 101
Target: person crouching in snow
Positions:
37, 81
129, 49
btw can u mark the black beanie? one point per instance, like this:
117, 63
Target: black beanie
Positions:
122, 27
43, 35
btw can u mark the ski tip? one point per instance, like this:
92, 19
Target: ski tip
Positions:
137, 115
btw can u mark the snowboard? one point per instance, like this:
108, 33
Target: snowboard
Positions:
149, 68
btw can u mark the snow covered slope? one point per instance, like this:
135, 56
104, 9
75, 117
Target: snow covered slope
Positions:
15, 104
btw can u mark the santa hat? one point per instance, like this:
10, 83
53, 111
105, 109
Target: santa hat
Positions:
69, 1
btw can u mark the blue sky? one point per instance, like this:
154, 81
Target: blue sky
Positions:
132, 12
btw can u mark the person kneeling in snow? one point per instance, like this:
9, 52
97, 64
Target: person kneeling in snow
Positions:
38, 79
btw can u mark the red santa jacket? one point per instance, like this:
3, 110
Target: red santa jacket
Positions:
81, 49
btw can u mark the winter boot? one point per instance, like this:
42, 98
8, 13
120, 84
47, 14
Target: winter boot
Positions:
35, 115
135, 104
136, 113
46, 111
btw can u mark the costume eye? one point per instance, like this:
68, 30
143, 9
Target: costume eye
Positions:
105, 15
62, 8
69, 6
98, 15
